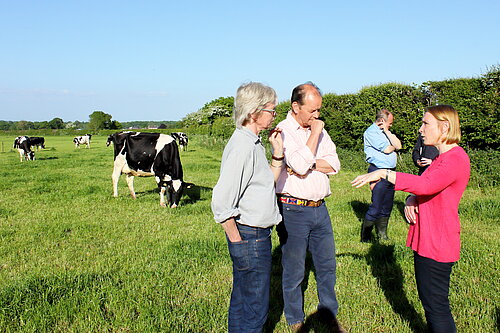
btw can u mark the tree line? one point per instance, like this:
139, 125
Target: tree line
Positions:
347, 116
98, 120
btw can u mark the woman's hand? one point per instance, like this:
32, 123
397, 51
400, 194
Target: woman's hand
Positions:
276, 141
368, 178
411, 209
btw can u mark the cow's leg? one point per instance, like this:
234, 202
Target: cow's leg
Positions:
162, 196
117, 171
21, 154
130, 183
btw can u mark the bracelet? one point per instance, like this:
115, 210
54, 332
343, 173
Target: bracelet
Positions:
278, 158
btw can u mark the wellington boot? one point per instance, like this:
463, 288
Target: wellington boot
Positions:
366, 231
381, 225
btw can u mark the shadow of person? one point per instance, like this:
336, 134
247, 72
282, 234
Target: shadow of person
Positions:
276, 293
400, 206
321, 321
389, 275
359, 208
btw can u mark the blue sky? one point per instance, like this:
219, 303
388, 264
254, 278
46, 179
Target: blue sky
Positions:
160, 60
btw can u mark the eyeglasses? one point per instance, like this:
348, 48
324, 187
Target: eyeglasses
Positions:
272, 112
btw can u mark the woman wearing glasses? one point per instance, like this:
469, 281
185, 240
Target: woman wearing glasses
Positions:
244, 203
432, 212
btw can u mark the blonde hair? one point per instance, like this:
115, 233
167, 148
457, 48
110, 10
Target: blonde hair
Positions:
251, 98
449, 114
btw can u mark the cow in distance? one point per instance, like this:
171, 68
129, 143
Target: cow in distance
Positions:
82, 140
181, 138
23, 146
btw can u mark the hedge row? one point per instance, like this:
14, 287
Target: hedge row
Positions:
347, 116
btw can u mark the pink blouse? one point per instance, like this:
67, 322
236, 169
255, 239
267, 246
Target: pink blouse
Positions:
436, 235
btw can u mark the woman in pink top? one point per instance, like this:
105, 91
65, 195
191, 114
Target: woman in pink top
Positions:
432, 212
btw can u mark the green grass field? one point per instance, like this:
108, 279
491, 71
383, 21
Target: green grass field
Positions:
75, 259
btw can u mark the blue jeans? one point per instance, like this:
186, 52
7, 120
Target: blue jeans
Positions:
382, 199
307, 228
433, 285
251, 279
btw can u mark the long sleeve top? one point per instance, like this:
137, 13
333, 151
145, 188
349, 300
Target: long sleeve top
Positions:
305, 183
245, 189
436, 234
375, 141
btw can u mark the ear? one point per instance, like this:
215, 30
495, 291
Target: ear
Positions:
445, 127
295, 107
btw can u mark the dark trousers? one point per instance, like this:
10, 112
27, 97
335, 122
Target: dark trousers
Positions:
433, 284
251, 279
307, 228
382, 199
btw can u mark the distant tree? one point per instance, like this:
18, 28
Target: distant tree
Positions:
115, 125
100, 120
24, 125
6, 125
42, 125
56, 123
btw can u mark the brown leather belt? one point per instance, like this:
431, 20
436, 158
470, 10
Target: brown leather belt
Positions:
299, 202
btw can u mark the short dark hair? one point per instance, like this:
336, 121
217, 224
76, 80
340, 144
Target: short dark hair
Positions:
299, 92
383, 114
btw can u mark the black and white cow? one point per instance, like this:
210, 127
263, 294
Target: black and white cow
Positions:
181, 138
23, 146
38, 142
82, 140
148, 154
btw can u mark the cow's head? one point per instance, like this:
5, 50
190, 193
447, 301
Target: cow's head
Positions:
175, 188
30, 155
110, 139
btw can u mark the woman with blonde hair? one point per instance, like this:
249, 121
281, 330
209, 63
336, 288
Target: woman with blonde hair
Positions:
432, 211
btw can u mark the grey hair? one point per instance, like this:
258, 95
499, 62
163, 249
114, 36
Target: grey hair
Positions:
383, 114
251, 98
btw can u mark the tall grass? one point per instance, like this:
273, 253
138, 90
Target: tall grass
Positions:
75, 259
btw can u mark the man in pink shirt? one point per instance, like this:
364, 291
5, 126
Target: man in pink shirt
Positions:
310, 157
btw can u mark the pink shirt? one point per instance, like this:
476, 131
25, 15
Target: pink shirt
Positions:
436, 235
312, 185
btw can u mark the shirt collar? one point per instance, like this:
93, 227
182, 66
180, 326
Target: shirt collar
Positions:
248, 133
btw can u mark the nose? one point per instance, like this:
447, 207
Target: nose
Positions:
421, 129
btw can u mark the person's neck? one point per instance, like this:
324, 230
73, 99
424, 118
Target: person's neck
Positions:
443, 147
295, 116
253, 127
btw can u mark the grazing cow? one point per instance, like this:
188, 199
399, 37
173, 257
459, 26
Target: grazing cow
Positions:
148, 154
22, 143
38, 142
181, 138
82, 140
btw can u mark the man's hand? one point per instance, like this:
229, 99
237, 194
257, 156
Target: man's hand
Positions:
383, 125
317, 126
423, 162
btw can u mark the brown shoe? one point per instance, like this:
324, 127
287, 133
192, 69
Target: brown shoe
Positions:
297, 327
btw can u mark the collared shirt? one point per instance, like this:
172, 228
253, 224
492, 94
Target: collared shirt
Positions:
375, 142
305, 183
245, 189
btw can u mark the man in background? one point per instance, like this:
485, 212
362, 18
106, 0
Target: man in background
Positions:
380, 147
